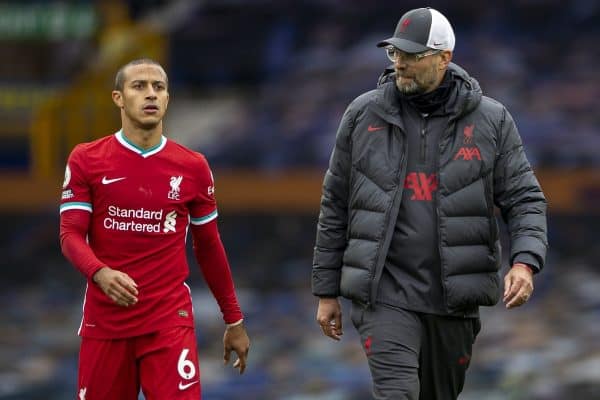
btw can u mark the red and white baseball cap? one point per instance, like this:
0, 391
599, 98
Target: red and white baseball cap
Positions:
422, 29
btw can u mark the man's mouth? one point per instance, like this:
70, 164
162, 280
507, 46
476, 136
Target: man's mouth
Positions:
151, 108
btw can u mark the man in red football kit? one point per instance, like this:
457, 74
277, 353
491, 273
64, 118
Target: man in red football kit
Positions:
128, 200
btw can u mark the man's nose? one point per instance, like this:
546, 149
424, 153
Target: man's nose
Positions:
151, 93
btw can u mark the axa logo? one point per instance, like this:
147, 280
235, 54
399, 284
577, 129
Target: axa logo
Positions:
469, 151
170, 221
175, 182
423, 185
468, 154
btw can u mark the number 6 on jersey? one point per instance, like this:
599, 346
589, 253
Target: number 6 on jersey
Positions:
185, 367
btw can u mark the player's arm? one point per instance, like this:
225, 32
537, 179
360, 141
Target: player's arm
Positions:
75, 216
211, 257
331, 239
331, 232
74, 225
523, 205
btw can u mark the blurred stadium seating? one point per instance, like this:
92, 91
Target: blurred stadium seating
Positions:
259, 86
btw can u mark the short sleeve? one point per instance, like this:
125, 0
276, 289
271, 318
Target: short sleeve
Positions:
203, 207
75, 190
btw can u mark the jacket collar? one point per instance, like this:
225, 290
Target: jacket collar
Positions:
466, 97
387, 105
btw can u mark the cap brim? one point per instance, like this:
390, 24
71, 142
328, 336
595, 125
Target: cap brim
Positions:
403, 44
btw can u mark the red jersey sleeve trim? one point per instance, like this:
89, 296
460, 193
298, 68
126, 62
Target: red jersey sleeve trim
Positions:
204, 220
76, 205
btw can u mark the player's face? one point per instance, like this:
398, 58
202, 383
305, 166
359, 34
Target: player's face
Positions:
144, 97
420, 76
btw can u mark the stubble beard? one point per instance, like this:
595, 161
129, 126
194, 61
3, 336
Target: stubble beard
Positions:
410, 88
417, 85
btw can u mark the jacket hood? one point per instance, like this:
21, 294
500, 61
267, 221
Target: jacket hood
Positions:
465, 98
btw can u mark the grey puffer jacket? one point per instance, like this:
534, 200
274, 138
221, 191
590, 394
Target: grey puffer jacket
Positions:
481, 163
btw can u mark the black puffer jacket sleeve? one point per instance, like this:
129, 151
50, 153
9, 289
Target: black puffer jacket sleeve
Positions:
519, 196
333, 216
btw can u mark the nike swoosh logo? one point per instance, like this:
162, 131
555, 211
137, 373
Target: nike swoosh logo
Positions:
375, 128
183, 386
109, 181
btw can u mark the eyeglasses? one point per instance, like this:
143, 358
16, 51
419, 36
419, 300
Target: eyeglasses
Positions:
410, 58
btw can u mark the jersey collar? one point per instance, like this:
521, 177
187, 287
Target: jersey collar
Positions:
142, 152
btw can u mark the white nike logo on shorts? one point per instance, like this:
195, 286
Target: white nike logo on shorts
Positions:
183, 386
106, 181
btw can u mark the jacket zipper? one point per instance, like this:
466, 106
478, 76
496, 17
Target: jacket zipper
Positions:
424, 142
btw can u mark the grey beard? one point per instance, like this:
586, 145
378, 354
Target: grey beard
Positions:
410, 89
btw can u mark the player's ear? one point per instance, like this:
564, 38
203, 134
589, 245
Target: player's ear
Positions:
117, 97
446, 57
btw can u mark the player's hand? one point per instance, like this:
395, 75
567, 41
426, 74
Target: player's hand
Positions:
329, 317
236, 339
518, 285
117, 285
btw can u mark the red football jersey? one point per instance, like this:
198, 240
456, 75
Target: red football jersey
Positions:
141, 204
